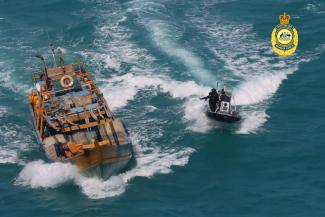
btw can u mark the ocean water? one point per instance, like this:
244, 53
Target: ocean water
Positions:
153, 60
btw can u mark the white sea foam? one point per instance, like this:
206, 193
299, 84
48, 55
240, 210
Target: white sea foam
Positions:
14, 141
259, 73
108, 61
129, 84
260, 88
150, 108
96, 188
150, 161
8, 156
38, 174
115, 47
7, 81
253, 120
246, 95
164, 38
195, 115
113, 43
3, 111
258, 69
314, 7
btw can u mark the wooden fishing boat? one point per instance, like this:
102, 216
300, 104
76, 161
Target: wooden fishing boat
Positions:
73, 122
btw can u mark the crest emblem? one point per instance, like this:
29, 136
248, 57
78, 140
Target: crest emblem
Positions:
284, 37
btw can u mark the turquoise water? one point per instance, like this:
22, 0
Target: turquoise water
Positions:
152, 60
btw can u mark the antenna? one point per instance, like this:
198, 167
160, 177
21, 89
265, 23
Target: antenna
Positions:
233, 96
52, 49
53, 55
44, 69
61, 59
61, 56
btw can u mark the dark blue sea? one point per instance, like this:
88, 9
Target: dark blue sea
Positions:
153, 60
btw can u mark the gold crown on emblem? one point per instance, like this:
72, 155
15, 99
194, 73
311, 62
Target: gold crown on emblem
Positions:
284, 18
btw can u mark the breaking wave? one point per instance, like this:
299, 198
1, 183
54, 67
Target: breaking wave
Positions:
40, 174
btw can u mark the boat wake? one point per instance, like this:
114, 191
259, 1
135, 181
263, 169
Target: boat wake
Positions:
254, 72
38, 174
257, 73
150, 161
189, 91
115, 48
164, 38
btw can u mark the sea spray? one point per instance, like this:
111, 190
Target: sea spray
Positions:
189, 91
150, 161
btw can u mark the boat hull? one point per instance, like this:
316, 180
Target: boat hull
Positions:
104, 163
223, 117
107, 169
118, 159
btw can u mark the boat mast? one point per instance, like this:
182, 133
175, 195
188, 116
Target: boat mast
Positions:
61, 59
53, 55
44, 69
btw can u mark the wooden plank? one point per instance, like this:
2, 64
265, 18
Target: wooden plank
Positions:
88, 146
59, 69
84, 126
104, 142
81, 116
59, 76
